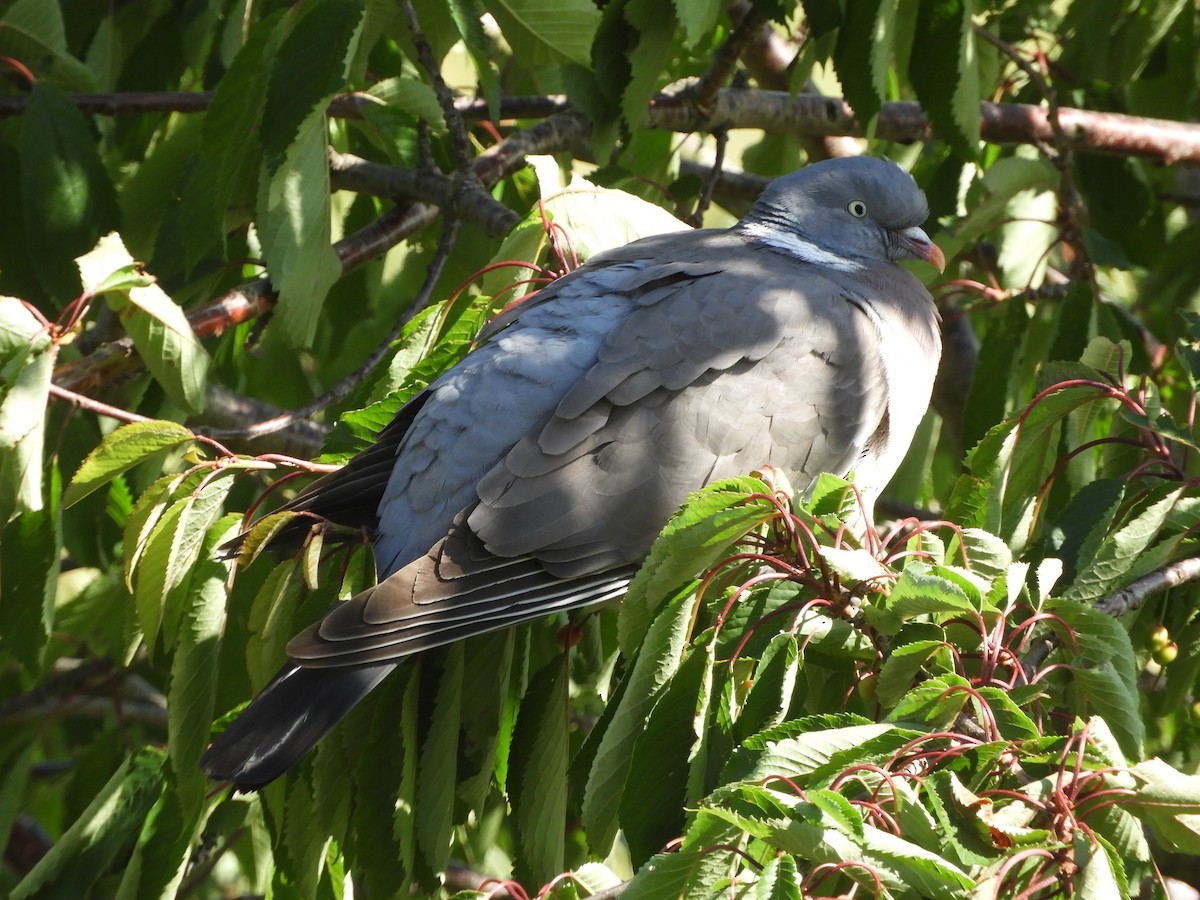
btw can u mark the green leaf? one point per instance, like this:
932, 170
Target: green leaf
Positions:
540, 755
778, 880
307, 69
945, 72
652, 804
172, 548
223, 180
775, 680
30, 561
163, 851
1105, 670
655, 664
120, 451
437, 768
988, 395
863, 26
467, 16
655, 25
901, 668
697, 18
161, 332
413, 97
1111, 559
1168, 801
104, 832
25, 378
800, 755
67, 197
917, 593
34, 32
694, 539
294, 227
1016, 458
541, 31
192, 689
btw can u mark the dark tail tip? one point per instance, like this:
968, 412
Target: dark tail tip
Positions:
283, 723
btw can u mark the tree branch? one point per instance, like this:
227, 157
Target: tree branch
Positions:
469, 202
905, 121
1127, 599
345, 386
1087, 131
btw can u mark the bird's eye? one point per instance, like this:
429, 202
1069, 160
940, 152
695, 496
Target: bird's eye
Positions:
856, 208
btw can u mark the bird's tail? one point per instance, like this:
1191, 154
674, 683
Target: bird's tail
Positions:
283, 723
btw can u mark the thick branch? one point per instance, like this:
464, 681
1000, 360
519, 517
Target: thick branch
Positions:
775, 111
904, 121
467, 201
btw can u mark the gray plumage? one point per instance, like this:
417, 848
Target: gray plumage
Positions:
534, 475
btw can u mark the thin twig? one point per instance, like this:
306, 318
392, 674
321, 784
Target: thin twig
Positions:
343, 106
347, 385
104, 409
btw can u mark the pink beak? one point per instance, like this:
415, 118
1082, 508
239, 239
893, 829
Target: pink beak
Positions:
916, 244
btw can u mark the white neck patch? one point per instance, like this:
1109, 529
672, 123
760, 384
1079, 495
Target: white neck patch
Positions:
805, 251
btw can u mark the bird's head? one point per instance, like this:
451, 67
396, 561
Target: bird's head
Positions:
845, 214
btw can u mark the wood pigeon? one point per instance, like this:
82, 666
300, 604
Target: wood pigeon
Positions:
534, 475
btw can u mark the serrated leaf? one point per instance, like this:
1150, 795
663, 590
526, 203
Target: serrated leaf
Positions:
436, 769
468, 16
652, 805
413, 97
541, 31
655, 25
160, 331
294, 227
307, 69
541, 755
778, 880
195, 666
163, 851
229, 153
770, 694
67, 197
917, 593
35, 33
172, 548
655, 664
856, 43
121, 450
1107, 694
104, 831
800, 755
30, 561
1016, 457
695, 538
901, 668
697, 18
945, 72
1112, 557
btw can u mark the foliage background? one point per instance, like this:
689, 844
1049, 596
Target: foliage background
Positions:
1001, 701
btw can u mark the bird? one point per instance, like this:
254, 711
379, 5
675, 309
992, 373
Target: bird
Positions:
533, 476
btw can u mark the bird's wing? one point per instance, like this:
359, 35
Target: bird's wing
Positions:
710, 375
